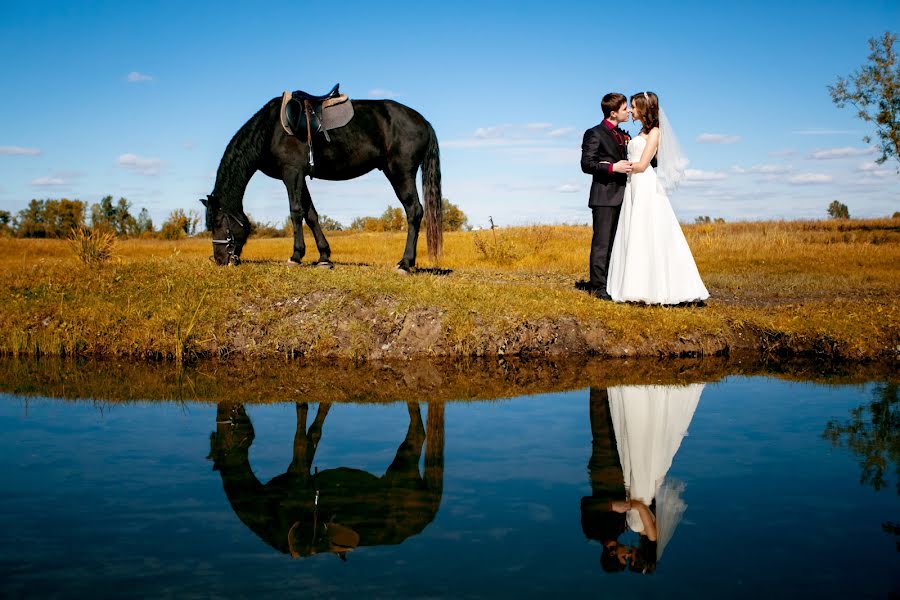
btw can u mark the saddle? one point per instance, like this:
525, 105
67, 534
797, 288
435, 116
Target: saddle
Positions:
301, 111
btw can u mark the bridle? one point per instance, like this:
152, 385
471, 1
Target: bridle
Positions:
229, 241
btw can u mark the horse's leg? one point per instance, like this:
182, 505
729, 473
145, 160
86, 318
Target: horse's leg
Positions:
294, 182
404, 185
306, 442
312, 219
406, 462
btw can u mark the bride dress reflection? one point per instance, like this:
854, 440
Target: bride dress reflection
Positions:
650, 422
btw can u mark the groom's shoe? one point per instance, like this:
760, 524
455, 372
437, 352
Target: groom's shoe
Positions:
600, 294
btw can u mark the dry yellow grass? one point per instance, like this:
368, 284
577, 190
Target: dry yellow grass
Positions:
821, 287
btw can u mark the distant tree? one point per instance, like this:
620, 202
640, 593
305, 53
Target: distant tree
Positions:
115, 218
874, 91
329, 224
50, 218
838, 210
702, 220
5, 223
896, 215
179, 225
144, 223
392, 219
718, 220
454, 218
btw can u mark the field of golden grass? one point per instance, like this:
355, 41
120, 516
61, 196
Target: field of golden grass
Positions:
822, 288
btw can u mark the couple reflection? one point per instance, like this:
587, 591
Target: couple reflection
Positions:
303, 512
634, 507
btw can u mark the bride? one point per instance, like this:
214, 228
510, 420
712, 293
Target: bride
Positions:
651, 261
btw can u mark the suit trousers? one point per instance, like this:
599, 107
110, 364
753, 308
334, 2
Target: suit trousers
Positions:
606, 219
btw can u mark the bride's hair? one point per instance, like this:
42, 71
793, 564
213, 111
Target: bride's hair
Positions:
647, 104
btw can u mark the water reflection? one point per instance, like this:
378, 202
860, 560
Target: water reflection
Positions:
636, 432
305, 511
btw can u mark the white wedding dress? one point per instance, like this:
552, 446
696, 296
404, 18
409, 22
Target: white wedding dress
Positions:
649, 423
650, 260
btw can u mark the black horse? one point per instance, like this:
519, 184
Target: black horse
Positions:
382, 134
305, 511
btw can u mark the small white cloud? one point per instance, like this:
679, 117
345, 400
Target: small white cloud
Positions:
382, 93
717, 138
48, 181
875, 170
831, 153
560, 132
568, 188
538, 125
699, 175
19, 151
810, 179
492, 132
762, 169
138, 77
783, 152
140, 165
189, 144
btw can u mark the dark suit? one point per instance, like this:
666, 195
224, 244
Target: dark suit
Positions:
603, 146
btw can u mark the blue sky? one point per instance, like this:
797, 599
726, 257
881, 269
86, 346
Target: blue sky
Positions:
139, 99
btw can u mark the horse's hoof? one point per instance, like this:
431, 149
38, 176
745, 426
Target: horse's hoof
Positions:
293, 263
401, 271
324, 264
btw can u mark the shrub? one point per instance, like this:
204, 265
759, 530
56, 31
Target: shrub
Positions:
92, 246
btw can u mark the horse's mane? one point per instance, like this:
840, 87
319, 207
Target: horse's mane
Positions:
241, 158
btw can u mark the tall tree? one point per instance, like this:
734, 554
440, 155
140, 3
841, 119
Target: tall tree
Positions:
874, 90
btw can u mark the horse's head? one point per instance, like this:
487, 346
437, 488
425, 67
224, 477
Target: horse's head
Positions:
229, 231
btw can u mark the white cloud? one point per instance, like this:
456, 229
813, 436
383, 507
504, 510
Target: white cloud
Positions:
763, 169
494, 131
138, 77
568, 188
809, 178
560, 132
140, 165
383, 93
539, 126
19, 151
54, 181
783, 152
717, 138
699, 175
875, 170
831, 153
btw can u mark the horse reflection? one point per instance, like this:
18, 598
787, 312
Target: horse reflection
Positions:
305, 512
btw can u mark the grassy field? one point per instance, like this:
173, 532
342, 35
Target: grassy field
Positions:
817, 288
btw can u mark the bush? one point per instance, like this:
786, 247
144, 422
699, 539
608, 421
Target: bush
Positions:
837, 210
92, 246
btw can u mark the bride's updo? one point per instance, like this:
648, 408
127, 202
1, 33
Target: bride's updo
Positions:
647, 104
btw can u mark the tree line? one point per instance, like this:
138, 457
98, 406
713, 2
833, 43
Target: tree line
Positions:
58, 218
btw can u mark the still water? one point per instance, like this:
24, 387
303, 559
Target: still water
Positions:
741, 487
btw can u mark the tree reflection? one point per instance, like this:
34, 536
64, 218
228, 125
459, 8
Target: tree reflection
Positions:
305, 511
873, 434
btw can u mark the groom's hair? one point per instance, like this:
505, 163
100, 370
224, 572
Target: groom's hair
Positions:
611, 103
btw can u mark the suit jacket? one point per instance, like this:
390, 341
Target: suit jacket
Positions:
599, 149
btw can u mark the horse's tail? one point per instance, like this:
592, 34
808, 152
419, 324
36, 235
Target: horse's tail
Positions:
431, 187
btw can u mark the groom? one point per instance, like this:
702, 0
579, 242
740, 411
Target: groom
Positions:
603, 154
